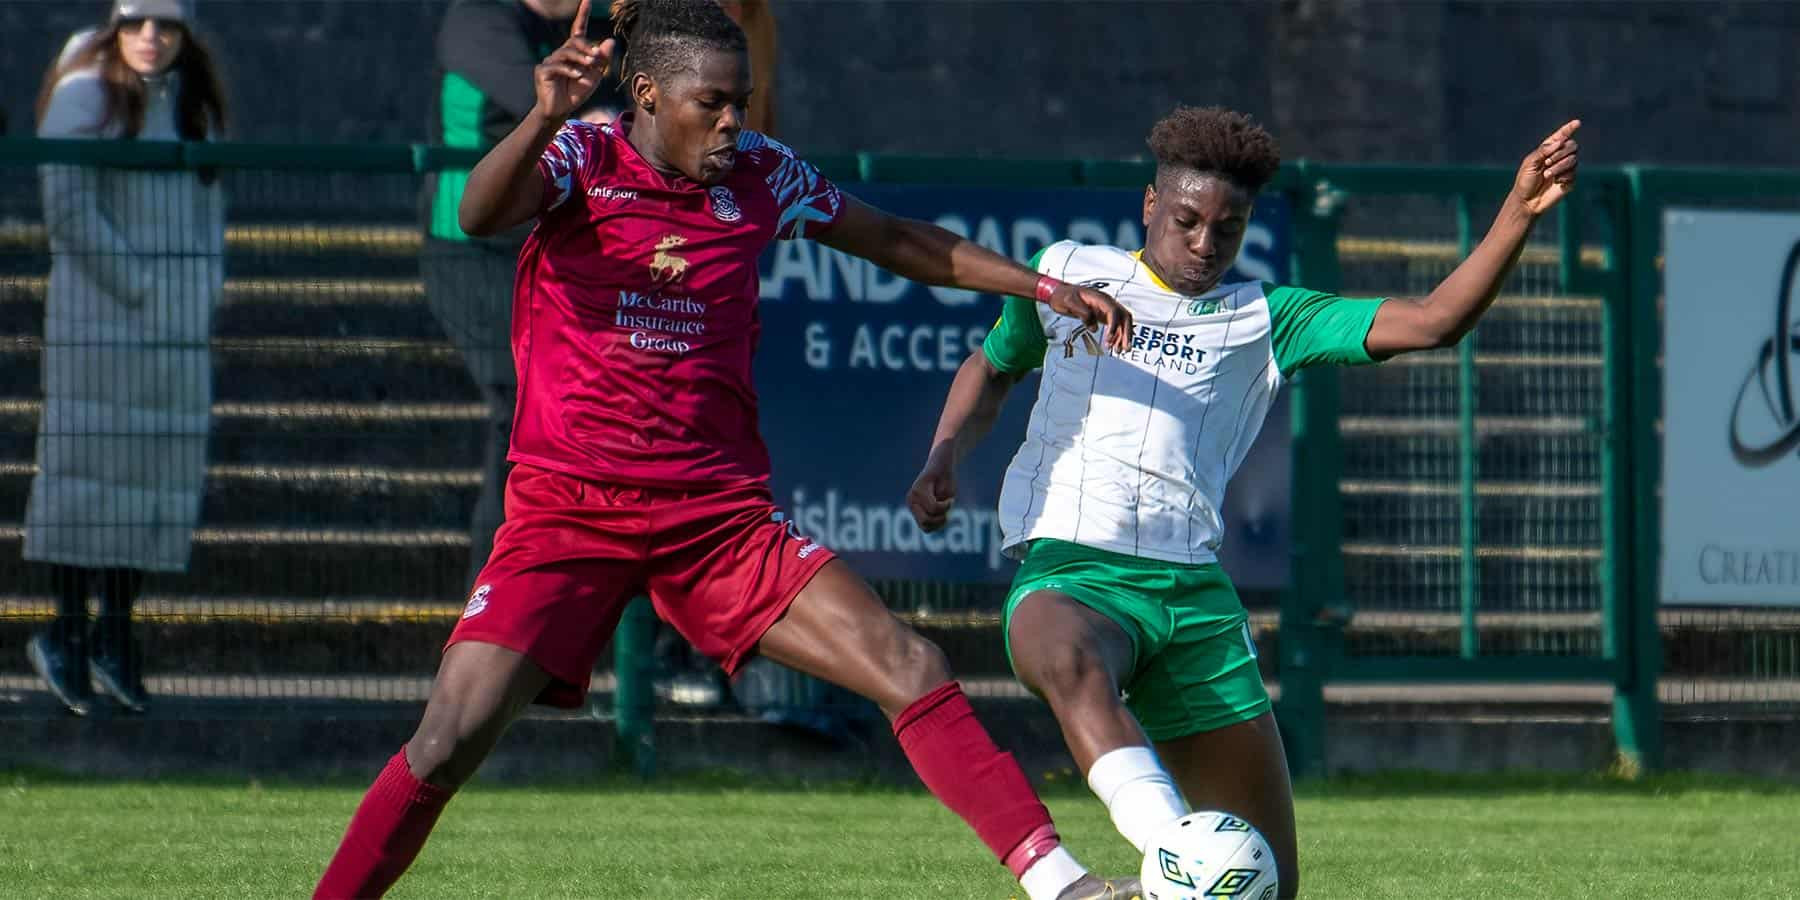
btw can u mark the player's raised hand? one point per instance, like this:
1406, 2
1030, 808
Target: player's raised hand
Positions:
933, 492
1094, 308
571, 73
1548, 172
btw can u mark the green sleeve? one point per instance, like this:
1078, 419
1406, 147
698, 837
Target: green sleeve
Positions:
1016, 344
1313, 328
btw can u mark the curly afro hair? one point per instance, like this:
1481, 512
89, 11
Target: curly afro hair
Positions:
1216, 141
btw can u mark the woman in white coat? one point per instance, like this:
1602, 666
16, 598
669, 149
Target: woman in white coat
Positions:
137, 268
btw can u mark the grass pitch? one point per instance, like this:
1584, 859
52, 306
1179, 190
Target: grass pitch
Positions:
730, 839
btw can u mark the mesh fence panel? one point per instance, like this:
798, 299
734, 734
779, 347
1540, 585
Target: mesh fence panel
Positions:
1534, 502
340, 461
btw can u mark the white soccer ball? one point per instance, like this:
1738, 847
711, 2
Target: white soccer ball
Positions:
1208, 854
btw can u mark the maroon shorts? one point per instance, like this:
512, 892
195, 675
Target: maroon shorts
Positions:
721, 565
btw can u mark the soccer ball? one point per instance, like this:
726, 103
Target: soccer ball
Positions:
1208, 854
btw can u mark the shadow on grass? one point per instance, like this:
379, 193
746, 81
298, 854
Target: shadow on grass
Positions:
1434, 784
1394, 784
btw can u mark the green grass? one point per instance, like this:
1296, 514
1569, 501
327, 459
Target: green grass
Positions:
1410, 837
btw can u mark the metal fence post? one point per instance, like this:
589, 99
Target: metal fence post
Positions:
634, 696
1317, 580
1468, 451
1637, 716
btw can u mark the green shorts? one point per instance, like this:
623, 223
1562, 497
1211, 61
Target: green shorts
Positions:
1193, 661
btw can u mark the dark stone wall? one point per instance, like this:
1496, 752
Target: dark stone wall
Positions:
1346, 80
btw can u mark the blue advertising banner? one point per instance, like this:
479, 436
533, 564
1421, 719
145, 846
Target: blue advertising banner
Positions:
855, 364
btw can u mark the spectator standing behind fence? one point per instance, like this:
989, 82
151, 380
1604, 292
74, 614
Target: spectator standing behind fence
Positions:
137, 267
486, 53
758, 23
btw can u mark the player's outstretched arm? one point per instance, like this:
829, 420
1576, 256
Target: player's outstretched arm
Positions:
1451, 311
505, 189
926, 253
969, 412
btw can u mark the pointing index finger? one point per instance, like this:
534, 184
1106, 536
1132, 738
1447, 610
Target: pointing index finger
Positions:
1564, 133
579, 29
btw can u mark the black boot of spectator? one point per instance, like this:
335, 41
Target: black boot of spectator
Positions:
57, 656
59, 653
120, 676
117, 661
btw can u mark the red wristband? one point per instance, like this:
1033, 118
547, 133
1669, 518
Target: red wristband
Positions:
1045, 287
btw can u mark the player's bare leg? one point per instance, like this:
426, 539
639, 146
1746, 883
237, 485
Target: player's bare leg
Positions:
839, 630
1242, 769
1076, 659
479, 691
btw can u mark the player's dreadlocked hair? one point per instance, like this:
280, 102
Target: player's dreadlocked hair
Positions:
1216, 141
661, 37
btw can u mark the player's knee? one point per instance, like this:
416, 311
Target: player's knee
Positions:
919, 665
1064, 673
926, 661
442, 757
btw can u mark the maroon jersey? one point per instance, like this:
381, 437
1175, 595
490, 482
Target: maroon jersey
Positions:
635, 309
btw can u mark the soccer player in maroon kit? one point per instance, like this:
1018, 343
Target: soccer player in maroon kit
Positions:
639, 465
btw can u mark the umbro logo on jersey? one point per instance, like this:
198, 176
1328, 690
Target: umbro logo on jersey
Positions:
1098, 284
724, 204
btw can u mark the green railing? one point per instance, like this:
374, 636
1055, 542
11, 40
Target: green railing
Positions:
1486, 514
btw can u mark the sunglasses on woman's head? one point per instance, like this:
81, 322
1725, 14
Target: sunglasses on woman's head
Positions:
137, 24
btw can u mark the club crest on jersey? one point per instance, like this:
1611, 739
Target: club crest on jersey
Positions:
667, 267
1203, 307
1089, 345
724, 204
478, 602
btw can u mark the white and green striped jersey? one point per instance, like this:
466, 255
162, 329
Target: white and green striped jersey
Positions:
1131, 452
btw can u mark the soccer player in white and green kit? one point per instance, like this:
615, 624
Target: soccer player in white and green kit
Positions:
1113, 501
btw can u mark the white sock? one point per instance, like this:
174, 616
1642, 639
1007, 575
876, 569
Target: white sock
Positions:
1137, 791
1052, 873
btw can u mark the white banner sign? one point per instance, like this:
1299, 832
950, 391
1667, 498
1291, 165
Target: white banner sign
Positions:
1731, 399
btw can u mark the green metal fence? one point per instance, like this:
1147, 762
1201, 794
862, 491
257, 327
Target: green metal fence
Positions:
1461, 514
1480, 515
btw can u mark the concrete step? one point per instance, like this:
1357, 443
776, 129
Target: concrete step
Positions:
1405, 514
282, 738
348, 635
313, 496
1507, 385
1516, 578
422, 435
396, 239
1506, 513
1562, 451
289, 306
319, 562
1408, 397
288, 369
